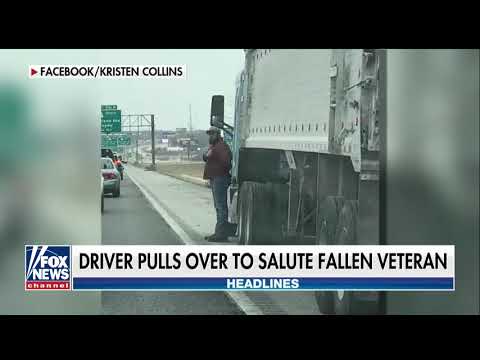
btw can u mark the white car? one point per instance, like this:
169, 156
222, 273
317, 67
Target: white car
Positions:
111, 177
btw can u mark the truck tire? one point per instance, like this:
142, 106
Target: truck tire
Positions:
345, 302
327, 219
260, 213
116, 192
102, 207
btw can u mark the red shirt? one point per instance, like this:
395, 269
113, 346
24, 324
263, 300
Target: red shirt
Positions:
218, 161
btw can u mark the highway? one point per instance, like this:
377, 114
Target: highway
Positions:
130, 220
159, 210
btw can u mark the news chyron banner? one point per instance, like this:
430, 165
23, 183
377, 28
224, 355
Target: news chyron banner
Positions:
230, 268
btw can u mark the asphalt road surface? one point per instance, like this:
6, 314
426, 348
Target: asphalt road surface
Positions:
130, 220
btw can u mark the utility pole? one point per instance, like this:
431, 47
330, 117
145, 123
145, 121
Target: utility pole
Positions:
190, 128
190, 123
152, 122
136, 153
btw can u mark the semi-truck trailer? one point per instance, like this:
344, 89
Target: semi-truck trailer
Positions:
307, 139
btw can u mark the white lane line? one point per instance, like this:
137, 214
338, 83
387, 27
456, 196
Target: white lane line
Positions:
243, 302
164, 214
240, 298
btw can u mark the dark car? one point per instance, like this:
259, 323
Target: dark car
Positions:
107, 153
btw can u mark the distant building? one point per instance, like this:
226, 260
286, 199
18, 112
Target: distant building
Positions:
166, 133
186, 142
175, 149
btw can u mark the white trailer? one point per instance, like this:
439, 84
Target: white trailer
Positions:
308, 125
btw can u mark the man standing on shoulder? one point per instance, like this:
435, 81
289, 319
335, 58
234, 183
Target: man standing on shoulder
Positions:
218, 163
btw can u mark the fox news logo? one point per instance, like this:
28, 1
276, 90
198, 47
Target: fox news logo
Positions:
47, 267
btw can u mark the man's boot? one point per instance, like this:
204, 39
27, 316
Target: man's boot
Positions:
219, 239
221, 234
209, 237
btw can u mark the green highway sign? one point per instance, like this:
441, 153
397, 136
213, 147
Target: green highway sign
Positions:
124, 139
115, 140
111, 121
111, 113
110, 125
109, 141
109, 107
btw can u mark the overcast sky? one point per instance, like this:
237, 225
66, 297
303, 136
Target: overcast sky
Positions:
209, 72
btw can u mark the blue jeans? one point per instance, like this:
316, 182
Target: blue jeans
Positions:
220, 186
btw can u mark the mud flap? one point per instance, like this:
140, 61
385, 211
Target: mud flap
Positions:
232, 206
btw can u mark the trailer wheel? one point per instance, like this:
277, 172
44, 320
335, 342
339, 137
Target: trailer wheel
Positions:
260, 213
345, 302
327, 219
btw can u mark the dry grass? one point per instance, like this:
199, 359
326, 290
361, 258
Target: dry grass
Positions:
177, 169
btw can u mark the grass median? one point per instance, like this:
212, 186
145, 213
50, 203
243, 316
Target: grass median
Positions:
189, 171
193, 169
